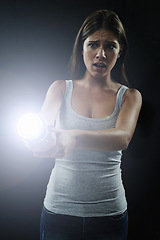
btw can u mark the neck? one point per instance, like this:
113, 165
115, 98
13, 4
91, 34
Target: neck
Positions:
94, 81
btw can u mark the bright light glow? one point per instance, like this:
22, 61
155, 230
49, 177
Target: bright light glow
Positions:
30, 126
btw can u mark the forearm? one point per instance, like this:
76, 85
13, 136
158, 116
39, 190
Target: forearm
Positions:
39, 145
44, 141
113, 139
106, 140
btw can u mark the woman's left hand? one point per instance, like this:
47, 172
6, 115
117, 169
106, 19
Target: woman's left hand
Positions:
65, 143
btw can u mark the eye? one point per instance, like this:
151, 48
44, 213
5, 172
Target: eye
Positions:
93, 45
110, 46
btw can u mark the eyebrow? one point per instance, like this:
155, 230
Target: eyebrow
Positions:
112, 42
106, 41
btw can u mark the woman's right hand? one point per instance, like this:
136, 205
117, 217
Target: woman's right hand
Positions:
42, 148
65, 142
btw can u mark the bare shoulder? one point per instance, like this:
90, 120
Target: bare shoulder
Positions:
56, 91
58, 86
132, 95
53, 101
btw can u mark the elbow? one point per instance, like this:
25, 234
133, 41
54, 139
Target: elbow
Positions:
125, 140
124, 145
120, 143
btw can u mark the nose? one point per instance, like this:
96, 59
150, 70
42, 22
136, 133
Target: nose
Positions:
101, 54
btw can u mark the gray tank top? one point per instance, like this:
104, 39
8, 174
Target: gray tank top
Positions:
86, 183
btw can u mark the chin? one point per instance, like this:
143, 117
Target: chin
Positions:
96, 74
99, 75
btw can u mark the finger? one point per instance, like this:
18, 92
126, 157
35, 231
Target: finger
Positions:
57, 154
39, 155
43, 153
57, 131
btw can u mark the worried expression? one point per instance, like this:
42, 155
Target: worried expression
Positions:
100, 53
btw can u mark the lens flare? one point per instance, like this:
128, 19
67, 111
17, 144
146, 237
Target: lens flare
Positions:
30, 126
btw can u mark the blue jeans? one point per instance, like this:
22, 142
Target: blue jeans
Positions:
64, 227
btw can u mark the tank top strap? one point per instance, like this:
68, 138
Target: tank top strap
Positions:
69, 89
120, 94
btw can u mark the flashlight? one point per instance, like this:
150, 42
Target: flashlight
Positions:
35, 133
32, 127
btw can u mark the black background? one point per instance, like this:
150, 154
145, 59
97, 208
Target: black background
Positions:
36, 40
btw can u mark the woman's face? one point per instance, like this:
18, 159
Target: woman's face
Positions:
100, 53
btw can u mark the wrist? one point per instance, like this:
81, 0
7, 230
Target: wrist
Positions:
41, 145
78, 136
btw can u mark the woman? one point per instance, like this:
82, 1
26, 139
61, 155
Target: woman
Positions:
95, 116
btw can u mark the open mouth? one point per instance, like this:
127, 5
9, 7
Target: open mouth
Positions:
99, 65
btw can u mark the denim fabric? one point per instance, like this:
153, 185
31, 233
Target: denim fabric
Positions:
64, 227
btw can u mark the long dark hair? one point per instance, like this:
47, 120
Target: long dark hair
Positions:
97, 20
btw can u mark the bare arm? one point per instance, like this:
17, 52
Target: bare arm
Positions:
53, 102
49, 111
114, 139
117, 138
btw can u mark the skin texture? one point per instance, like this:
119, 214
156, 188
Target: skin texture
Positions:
93, 96
100, 47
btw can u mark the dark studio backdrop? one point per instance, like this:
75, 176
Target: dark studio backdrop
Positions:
36, 40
